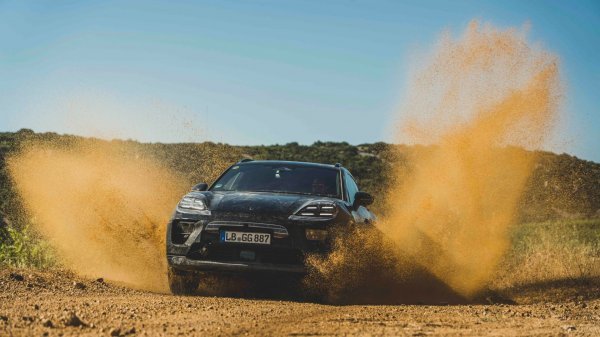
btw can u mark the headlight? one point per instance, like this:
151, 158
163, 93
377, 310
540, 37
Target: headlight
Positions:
190, 203
321, 210
316, 234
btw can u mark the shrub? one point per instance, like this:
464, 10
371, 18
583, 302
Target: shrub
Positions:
23, 248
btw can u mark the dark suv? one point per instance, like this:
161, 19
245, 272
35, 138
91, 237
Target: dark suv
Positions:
261, 216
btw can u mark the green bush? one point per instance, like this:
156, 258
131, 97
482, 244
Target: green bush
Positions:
23, 248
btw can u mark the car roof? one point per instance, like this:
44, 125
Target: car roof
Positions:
286, 162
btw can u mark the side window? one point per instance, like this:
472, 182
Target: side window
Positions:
351, 186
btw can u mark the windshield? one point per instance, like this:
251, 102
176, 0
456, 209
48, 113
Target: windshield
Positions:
280, 179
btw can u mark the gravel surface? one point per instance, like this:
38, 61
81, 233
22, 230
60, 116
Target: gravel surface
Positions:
56, 303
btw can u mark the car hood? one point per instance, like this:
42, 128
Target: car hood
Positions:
276, 204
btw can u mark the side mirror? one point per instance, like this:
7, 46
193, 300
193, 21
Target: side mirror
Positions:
362, 199
200, 187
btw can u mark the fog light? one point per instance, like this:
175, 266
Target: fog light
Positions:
316, 234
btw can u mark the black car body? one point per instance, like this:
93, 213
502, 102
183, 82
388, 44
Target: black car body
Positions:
262, 216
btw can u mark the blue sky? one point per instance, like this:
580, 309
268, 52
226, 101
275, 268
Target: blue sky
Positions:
260, 72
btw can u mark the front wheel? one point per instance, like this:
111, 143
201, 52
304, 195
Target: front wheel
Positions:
182, 284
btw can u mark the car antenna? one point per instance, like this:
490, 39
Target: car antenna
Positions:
338, 165
245, 160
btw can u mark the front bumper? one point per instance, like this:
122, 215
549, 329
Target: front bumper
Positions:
202, 250
183, 263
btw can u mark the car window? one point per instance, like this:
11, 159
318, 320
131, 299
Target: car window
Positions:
351, 186
298, 179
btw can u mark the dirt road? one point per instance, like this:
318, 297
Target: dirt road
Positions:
59, 304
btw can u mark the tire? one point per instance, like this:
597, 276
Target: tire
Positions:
182, 284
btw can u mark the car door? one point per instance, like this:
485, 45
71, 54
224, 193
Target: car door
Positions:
361, 213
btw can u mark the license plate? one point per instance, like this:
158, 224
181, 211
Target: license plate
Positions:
246, 237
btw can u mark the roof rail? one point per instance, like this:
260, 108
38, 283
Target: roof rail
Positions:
245, 160
337, 165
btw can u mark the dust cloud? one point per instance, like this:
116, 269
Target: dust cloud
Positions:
472, 107
365, 267
103, 205
475, 102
